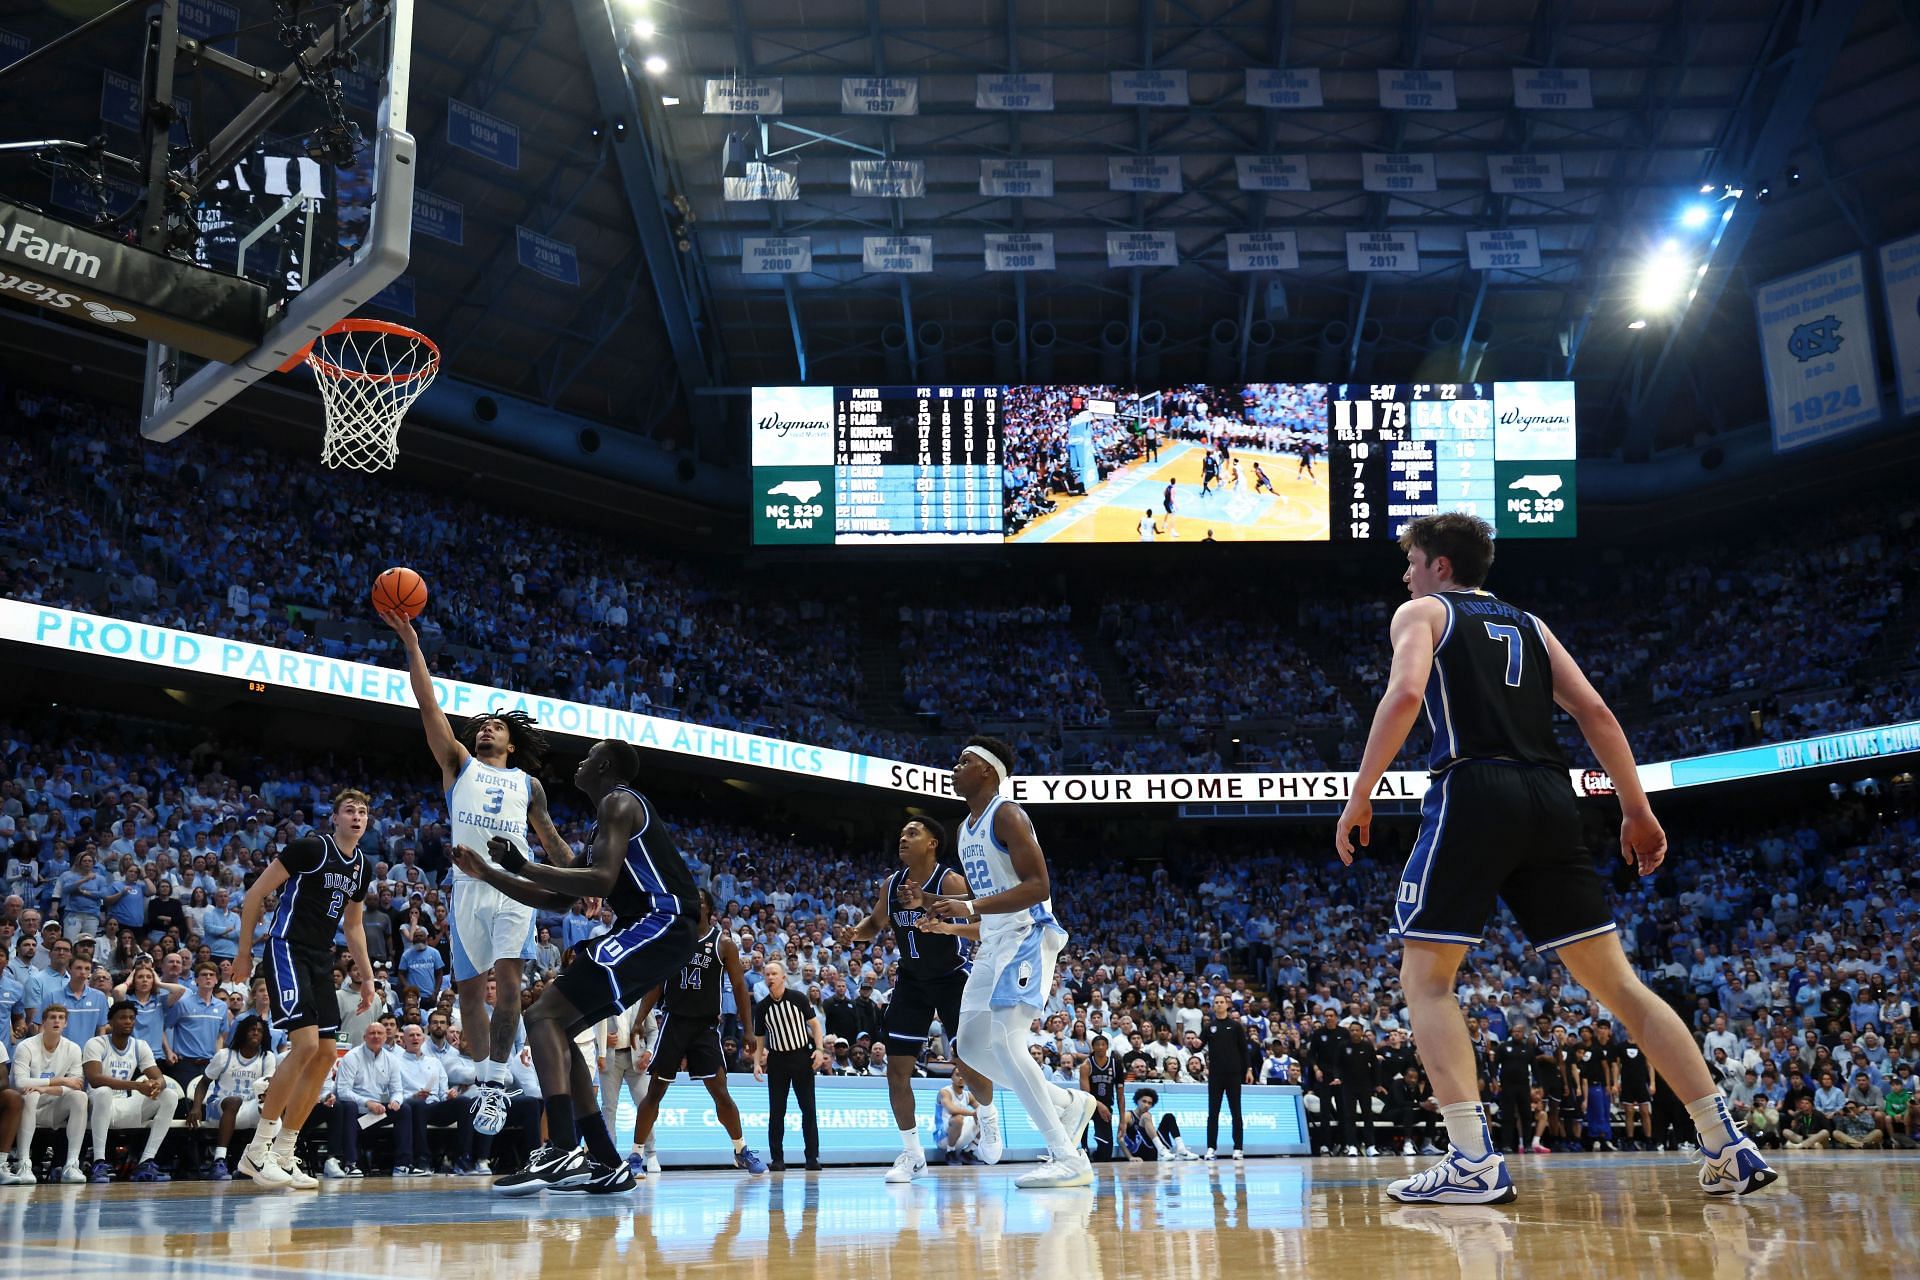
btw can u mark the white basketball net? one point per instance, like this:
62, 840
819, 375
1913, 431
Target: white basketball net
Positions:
368, 377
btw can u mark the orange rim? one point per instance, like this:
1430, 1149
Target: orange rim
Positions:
326, 368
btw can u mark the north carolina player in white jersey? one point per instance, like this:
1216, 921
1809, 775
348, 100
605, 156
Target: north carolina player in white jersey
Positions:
126, 1090
492, 795
231, 1088
1012, 977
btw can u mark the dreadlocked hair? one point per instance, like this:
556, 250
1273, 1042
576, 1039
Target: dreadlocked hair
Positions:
529, 744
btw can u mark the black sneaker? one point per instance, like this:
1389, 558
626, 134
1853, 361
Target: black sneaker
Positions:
777, 1165
606, 1180
548, 1169
813, 1166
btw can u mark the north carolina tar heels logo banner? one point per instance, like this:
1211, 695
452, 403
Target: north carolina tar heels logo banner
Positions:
1815, 338
1816, 346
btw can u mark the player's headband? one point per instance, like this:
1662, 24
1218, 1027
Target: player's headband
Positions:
993, 762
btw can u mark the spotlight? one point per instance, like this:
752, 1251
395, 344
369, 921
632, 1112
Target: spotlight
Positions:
1636, 324
1695, 216
1662, 278
643, 28
1793, 177
1706, 188
669, 101
619, 128
656, 65
594, 132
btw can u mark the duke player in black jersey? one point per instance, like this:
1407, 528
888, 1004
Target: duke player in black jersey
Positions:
1499, 820
936, 958
635, 866
690, 1033
322, 882
1100, 1076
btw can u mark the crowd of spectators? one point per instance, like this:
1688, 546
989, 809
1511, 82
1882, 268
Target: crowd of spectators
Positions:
1781, 634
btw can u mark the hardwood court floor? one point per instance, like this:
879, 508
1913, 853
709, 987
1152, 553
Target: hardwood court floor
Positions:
1851, 1214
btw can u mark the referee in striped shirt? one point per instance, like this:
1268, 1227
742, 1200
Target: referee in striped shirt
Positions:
788, 1024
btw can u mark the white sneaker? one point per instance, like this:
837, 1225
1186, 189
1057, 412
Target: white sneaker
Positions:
1075, 1171
333, 1169
1185, 1152
1406, 1147
1372, 1150
1237, 1156
1351, 1151
20, 1177
1457, 1180
906, 1167
1077, 1115
264, 1169
990, 1148
1209, 1154
489, 1108
71, 1174
653, 1163
483, 1167
1737, 1170
297, 1176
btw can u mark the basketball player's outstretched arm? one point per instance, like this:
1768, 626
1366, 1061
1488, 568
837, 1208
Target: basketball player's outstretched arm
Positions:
1412, 632
1642, 843
440, 740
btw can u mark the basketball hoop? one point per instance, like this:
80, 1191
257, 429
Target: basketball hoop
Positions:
369, 373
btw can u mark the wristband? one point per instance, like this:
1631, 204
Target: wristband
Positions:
973, 912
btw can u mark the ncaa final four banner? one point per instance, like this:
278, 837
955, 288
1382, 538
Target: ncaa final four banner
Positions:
1816, 346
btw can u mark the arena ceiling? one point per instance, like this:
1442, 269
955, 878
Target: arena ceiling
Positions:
624, 164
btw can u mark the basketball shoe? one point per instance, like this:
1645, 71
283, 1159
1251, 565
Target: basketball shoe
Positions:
1737, 1169
1457, 1180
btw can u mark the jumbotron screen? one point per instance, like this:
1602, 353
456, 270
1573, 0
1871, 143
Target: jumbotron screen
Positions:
1257, 462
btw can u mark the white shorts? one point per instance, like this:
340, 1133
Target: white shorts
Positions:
133, 1111
487, 926
1014, 968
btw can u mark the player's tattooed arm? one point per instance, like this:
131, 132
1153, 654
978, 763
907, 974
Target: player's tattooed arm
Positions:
477, 865
559, 852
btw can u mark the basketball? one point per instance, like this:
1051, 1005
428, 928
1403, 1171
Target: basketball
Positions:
400, 590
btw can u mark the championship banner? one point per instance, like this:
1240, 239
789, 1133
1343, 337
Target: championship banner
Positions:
879, 96
776, 255
1272, 173
1016, 178
1553, 89
1015, 92
1525, 175
745, 96
1284, 89
1153, 174
1503, 250
1900, 285
763, 181
1142, 249
1816, 345
1148, 88
1398, 174
1418, 91
1382, 251
889, 179
1263, 251
908, 255
1020, 251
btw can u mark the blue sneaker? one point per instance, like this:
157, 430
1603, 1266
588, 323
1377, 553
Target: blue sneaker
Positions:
1457, 1180
100, 1172
637, 1163
749, 1159
1737, 1170
220, 1171
150, 1172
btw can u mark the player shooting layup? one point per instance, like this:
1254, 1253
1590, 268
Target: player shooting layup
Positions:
1499, 819
491, 795
1013, 970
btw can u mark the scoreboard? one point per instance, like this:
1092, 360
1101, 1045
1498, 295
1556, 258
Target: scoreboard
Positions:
916, 464
1503, 451
846, 465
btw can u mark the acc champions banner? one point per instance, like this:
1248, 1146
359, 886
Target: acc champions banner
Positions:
1816, 343
856, 1120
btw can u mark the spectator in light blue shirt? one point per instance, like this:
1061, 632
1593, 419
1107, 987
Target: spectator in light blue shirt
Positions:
127, 904
13, 995
86, 1007
195, 1024
421, 964
221, 928
1829, 1099
151, 999
577, 927
48, 983
82, 891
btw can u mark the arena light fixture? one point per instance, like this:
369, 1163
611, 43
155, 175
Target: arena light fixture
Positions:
1636, 324
1696, 216
643, 28
1706, 188
656, 65
1662, 278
